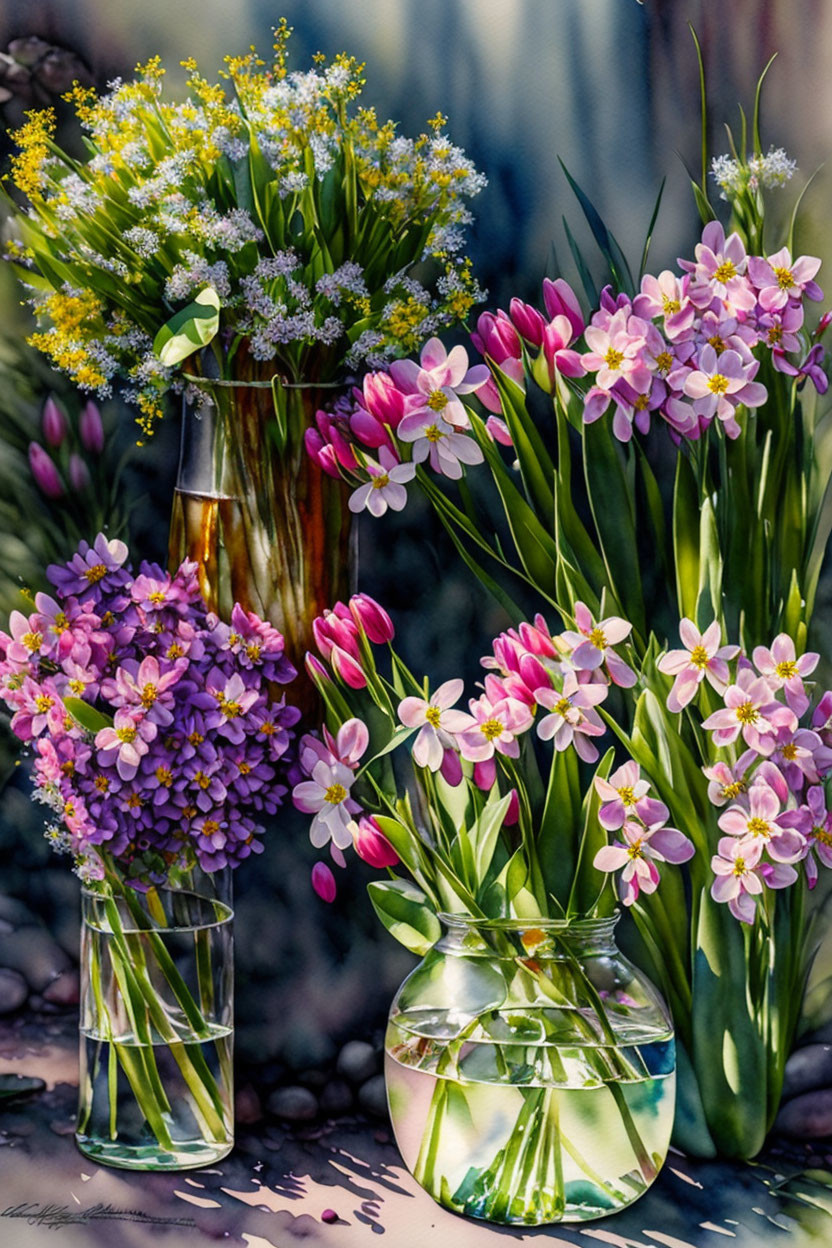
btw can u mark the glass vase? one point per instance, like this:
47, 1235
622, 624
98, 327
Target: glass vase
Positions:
266, 527
156, 1027
530, 1072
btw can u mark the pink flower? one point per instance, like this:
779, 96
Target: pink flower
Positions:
814, 821
78, 473
446, 448
372, 845
498, 430
323, 882
559, 357
496, 727
666, 296
527, 321
750, 709
758, 824
593, 645
573, 716
385, 487
126, 742
53, 423
779, 279
620, 794
615, 351
559, 299
47, 477
91, 429
144, 685
329, 446
327, 796
702, 657
434, 385
438, 724
719, 270
783, 670
347, 668
727, 784
737, 881
496, 337
371, 618
642, 847
720, 383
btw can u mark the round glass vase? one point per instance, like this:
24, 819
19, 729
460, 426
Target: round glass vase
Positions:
266, 526
156, 1028
530, 1071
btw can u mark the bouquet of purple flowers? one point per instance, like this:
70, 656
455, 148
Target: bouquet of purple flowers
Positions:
158, 740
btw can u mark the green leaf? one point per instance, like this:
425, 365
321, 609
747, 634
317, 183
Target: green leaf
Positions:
755, 130
649, 237
589, 883
189, 329
590, 289
483, 835
87, 716
686, 537
406, 913
619, 268
611, 502
536, 467
557, 840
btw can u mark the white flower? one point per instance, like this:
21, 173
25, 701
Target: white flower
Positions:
385, 488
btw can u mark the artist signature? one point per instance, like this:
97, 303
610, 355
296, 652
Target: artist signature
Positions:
55, 1216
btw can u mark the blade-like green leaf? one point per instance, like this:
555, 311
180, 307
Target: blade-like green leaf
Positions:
189, 329
87, 716
405, 912
612, 511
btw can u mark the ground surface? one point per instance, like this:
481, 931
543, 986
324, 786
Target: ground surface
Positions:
272, 1191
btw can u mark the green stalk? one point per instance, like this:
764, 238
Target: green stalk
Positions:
645, 1162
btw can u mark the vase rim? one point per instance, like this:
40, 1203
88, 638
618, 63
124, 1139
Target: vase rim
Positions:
224, 914
577, 927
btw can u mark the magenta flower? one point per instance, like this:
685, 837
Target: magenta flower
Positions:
751, 709
783, 670
372, 845
592, 645
496, 727
371, 618
702, 657
779, 279
528, 322
47, 477
323, 882
78, 473
615, 351
759, 824
329, 445
620, 795
636, 857
53, 423
93, 570
719, 271
386, 485
559, 299
809, 367
126, 742
496, 337
573, 717
559, 357
720, 383
737, 881
91, 429
434, 385
144, 685
814, 821
438, 724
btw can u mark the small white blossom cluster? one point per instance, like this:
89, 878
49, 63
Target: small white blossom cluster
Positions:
763, 171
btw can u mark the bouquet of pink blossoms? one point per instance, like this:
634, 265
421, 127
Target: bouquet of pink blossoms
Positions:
157, 742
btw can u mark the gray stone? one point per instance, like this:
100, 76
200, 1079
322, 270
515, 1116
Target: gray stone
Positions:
15, 912
336, 1098
13, 991
357, 1061
372, 1097
294, 1104
247, 1107
33, 952
809, 1067
65, 990
807, 1117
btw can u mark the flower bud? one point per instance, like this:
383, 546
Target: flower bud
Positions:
527, 321
513, 813
315, 670
79, 473
372, 845
560, 300
323, 882
347, 668
45, 473
53, 422
91, 429
451, 768
372, 618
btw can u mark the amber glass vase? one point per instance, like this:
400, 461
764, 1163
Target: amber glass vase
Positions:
266, 526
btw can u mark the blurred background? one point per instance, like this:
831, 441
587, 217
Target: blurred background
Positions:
610, 87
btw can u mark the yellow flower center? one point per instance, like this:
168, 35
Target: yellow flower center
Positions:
787, 669
202, 780
101, 783
563, 707
175, 651
789, 752
725, 271
433, 715
267, 728
613, 358
381, 481
244, 768
739, 867
598, 639
774, 334
491, 729
253, 650
717, 384
733, 790
699, 657
670, 305
433, 433
96, 573
717, 343
134, 801
641, 402
196, 738
747, 713
664, 361
437, 401
126, 734
820, 834
157, 597
335, 794
635, 850
231, 709
164, 776
785, 278
43, 702
32, 641
210, 827
627, 794
60, 623
759, 827
149, 695
76, 687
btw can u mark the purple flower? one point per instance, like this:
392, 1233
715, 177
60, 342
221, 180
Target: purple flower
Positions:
92, 571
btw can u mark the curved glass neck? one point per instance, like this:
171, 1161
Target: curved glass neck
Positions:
538, 937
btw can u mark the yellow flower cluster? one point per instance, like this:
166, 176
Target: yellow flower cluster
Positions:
33, 139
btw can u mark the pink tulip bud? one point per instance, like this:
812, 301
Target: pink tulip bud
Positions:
485, 774
372, 845
527, 321
315, 669
496, 337
451, 768
513, 812
323, 882
91, 429
54, 423
347, 668
560, 300
497, 430
383, 399
372, 618
79, 473
45, 473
